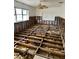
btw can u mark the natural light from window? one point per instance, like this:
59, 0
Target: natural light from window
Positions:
21, 15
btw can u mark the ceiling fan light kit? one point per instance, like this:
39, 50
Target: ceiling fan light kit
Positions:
42, 6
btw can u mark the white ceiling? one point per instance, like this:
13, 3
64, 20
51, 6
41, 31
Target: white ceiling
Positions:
49, 3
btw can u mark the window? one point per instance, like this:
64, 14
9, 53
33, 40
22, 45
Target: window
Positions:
21, 15
18, 11
25, 15
14, 16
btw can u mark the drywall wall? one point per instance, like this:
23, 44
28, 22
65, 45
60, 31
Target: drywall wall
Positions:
32, 10
51, 12
48, 14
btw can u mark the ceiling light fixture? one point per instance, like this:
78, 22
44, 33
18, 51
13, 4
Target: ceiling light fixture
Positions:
42, 6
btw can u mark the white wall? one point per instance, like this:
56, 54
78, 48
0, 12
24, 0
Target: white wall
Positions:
51, 12
48, 14
31, 9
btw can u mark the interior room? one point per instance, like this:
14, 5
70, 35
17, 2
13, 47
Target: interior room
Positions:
39, 29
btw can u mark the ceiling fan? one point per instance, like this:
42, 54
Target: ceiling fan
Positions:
42, 5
